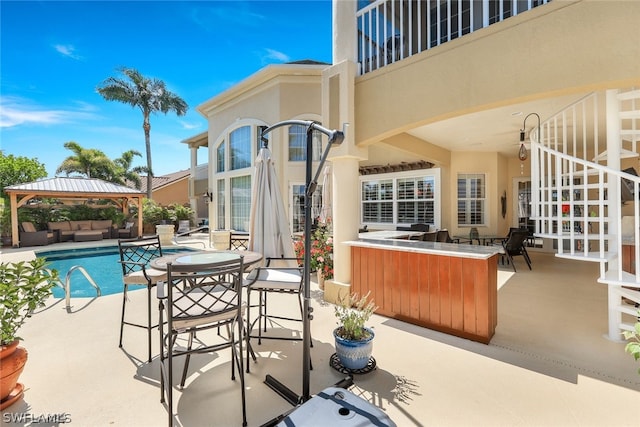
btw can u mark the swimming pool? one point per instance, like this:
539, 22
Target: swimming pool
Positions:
100, 263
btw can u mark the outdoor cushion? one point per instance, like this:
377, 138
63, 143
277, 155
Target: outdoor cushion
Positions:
59, 225
101, 225
137, 277
84, 226
75, 225
28, 227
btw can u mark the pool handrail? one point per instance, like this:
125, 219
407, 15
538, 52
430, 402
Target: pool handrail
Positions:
67, 284
188, 232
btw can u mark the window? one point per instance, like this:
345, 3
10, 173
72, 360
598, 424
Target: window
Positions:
220, 157
221, 204
240, 148
233, 158
471, 199
240, 202
401, 198
377, 201
416, 200
297, 207
298, 144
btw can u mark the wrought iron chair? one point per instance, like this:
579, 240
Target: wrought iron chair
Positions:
195, 299
514, 245
268, 279
135, 256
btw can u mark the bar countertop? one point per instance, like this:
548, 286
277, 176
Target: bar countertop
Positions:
437, 248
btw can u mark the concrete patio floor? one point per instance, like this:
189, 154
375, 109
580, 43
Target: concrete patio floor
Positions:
547, 365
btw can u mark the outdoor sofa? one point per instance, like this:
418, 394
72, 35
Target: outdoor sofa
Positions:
82, 230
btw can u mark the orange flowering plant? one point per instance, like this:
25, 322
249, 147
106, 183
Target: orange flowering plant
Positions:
321, 251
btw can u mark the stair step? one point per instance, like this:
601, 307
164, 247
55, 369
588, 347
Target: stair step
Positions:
628, 309
632, 94
581, 256
626, 279
624, 153
631, 114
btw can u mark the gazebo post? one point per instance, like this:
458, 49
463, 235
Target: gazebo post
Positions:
13, 205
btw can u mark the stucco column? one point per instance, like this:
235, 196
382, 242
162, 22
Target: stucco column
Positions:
344, 31
193, 198
345, 207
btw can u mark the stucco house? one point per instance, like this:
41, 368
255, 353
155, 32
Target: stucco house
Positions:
523, 112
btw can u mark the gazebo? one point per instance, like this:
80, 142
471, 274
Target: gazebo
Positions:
71, 188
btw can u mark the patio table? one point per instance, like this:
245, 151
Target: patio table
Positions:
205, 257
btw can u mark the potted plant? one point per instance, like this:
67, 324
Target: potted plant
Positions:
24, 286
633, 346
321, 255
354, 341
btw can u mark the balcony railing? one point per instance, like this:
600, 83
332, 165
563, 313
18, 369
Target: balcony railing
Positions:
392, 30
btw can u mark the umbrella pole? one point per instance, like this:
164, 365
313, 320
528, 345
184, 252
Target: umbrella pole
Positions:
335, 137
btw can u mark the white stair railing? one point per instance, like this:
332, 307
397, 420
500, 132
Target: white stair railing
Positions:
572, 197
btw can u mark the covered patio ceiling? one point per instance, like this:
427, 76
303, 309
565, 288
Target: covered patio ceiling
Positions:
71, 188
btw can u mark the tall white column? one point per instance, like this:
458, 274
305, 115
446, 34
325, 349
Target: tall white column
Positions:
338, 109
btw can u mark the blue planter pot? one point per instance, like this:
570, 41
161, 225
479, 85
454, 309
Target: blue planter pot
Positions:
354, 355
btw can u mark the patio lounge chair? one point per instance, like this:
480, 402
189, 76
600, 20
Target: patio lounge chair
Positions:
195, 299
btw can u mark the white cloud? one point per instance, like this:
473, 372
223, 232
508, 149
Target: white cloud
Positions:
274, 55
190, 126
67, 50
17, 111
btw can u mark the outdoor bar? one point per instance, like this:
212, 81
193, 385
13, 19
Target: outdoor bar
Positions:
447, 287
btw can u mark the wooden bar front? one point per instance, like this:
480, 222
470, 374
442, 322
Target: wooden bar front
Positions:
448, 293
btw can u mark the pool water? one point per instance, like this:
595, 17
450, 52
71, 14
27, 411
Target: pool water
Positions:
102, 264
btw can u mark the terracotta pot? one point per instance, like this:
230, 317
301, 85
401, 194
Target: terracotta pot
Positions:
12, 361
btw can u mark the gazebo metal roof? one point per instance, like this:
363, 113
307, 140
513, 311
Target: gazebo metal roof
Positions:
71, 187
60, 185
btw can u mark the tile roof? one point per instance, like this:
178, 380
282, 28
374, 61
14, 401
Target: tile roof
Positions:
160, 181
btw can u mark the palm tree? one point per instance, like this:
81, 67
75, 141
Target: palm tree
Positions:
150, 95
89, 162
125, 172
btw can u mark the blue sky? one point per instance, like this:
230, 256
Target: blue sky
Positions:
53, 55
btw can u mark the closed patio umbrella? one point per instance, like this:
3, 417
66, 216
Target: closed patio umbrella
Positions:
325, 210
268, 224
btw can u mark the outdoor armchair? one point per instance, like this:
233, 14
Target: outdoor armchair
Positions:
127, 231
30, 236
444, 237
